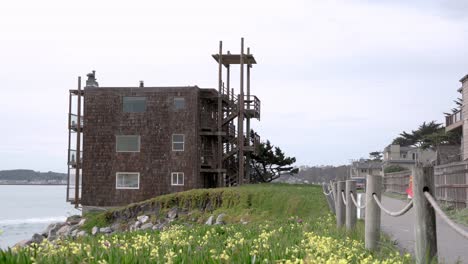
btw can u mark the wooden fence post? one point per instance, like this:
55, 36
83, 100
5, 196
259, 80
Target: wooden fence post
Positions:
425, 221
330, 201
351, 210
372, 220
339, 204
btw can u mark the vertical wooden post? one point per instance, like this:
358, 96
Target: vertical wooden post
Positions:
372, 221
69, 144
425, 221
78, 147
240, 119
220, 182
339, 204
331, 203
333, 186
247, 124
351, 210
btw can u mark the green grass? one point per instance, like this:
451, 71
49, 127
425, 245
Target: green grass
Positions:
286, 223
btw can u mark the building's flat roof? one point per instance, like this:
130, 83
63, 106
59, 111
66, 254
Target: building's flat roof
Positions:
235, 59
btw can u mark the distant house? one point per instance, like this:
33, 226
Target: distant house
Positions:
456, 121
406, 156
363, 167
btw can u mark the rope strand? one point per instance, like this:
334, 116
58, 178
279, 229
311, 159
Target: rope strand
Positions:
444, 216
355, 203
344, 199
395, 214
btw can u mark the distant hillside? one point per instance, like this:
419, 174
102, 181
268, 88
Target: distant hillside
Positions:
316, 174
29, 176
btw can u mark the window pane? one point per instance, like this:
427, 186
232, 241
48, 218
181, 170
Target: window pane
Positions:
178, 146
179, 103
174, 178
128, 143
180, 179
128, 180
134, 104
178, 138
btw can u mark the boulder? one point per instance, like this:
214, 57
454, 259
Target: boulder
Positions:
37, 238
116, 227
64, 231
22, 243
137, 224
81, 223
73, 220
105, 230
220, 219
159, 226
243, 221
172, 214
143, 218
95, 230
209, 221
146, 226
74, 233
81, 233
52, 230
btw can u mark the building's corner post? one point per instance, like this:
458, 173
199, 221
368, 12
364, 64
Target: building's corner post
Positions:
220, 116
340, 206
372, 221
351, 210
240, 117
78, 147
425, 220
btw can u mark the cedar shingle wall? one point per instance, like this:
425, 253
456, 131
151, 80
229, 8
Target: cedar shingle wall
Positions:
104, 120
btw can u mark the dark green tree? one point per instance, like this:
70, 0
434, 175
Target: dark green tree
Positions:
375, 156
270, 163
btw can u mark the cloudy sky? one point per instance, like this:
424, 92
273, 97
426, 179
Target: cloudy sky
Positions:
337, 79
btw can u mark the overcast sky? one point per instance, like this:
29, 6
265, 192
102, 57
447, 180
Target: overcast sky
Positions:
337, 79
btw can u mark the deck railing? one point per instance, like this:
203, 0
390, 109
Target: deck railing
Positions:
453, 118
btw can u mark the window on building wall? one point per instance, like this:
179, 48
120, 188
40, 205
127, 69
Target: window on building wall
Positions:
127, 180
363, 170
179, 103
415, 156
178, 141
177, 178
403, 156
134, 104
127, 143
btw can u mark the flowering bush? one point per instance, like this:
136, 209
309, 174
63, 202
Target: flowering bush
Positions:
289, 241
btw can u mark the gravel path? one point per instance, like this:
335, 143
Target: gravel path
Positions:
451, 246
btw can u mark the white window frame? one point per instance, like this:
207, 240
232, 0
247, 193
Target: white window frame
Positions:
134, 97
126, 188
183, 142
178, 174
139, 143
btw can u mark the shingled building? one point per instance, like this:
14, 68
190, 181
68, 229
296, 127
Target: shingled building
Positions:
135, 143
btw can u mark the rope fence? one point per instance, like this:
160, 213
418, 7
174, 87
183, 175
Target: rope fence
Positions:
443, 216
394, 214
355, 203
340, 193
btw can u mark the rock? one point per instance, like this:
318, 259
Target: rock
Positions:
146, 226
105, 230
220, 219
159, 226
74, 233
172, 214
243, 221
143, 218
209, 221
52, 230
116, 227
73, 220
37, 238
137, 224
95, 230
81, 234
63, 231
81, 223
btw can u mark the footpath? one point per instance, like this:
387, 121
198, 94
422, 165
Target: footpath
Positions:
452, 248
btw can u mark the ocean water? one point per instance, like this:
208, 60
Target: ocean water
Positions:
29, 209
